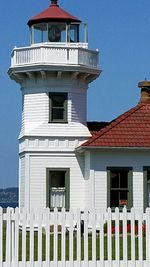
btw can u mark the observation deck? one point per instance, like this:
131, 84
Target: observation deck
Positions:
74, 57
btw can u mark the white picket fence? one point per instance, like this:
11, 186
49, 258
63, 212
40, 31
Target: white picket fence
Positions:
74, 239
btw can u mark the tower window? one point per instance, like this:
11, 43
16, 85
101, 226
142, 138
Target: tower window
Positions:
58, 107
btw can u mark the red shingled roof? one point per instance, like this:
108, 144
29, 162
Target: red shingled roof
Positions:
53, 13
131, 129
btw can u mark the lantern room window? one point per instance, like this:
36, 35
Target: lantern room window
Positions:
53, 32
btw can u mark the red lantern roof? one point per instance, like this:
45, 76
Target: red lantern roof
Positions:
53, 14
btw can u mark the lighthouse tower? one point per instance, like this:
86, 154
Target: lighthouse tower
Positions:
54, 72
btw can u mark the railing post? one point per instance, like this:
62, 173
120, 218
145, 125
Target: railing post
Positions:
85, 33
14, 59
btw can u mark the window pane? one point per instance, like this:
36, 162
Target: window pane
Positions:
123, 179
114, 198
148, 176
57, 114
57, 178
124, 195
57, 32
114, 179
57, 189
58, 107
58, 100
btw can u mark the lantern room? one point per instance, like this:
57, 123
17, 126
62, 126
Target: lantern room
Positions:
56, 25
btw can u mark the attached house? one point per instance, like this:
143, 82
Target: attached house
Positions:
63, 160
118, 158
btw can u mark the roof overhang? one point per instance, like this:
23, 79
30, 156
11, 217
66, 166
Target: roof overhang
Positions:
53, 14
82, 149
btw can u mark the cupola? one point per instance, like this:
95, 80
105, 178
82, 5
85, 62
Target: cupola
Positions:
55, 25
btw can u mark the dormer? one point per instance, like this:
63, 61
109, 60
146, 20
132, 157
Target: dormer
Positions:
55, 25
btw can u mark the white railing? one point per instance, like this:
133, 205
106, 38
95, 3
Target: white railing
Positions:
42, 238
54, 55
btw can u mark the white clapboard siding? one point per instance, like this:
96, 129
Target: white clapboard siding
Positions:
74, 238
100, 160
58, 130
35, 112
39, 164
78, 110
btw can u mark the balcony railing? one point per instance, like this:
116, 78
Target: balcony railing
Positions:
71, 54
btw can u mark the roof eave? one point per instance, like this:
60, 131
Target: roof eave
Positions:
46, 20
83, 148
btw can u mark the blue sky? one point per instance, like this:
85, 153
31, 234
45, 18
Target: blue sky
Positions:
119, 29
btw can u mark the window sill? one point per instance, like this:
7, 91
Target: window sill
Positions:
57, 122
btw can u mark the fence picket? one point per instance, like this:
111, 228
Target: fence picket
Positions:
140, 239
117, 240
40, 217
101, 236
94, 239
71, 239
12, 236
125, 252
55, 237
47, 232
63, 239
1, 237
109, 238
32, 238
133, 237
16, 236
8, 238
147, 237
86, 237
78, 238
65, 221
24, 225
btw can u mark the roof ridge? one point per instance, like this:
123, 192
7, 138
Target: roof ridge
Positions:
113, 123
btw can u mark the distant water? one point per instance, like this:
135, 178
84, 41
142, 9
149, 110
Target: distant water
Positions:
6, 205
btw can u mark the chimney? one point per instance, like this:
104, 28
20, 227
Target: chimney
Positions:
145, 91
